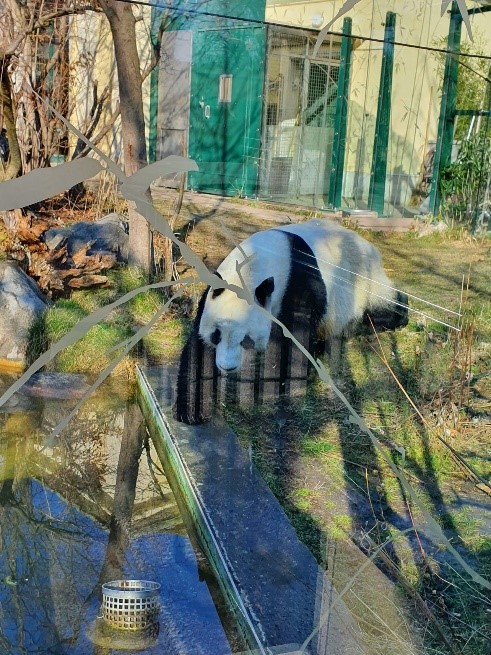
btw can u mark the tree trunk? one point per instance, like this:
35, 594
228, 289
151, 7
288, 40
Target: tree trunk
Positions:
12, 168
122, 24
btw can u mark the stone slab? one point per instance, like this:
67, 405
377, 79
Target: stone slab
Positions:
280, 595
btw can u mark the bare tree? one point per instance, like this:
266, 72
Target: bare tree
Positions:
34, 65
122, 23
34, 60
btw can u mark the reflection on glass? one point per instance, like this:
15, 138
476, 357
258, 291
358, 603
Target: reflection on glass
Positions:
91, 506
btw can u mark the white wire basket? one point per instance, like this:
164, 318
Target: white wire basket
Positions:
130, 604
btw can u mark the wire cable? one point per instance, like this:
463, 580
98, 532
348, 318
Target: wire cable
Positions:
257, 21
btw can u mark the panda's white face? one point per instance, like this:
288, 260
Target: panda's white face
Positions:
232, 325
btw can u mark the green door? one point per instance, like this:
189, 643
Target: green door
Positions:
225, 109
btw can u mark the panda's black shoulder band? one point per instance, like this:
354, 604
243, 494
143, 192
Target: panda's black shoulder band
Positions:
305, 284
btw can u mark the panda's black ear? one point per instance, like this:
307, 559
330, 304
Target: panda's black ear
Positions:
264, 291
216, 292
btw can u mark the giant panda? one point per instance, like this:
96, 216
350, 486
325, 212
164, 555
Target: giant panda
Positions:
317, 271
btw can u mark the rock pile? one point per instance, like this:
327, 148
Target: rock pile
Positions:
73, 257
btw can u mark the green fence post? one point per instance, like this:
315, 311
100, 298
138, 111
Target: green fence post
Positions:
155, 21
340, 120
378, 173
446, 122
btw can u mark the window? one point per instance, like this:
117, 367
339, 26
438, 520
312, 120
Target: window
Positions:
225, 88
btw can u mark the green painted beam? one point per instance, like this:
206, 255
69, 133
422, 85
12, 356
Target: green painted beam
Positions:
378, 173
340, 120
446, 122
191, 506
472, 112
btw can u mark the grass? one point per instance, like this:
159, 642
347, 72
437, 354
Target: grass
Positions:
302, 498
102, 342
316, 447
336, 483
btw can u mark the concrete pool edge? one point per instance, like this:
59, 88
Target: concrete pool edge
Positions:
181, 483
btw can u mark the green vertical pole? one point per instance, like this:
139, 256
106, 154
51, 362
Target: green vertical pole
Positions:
446, 122
378, 173
340, 120
155, 19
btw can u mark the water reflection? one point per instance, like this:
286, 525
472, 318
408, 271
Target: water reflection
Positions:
90, 506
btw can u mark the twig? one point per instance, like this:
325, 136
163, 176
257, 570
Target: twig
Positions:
420, 602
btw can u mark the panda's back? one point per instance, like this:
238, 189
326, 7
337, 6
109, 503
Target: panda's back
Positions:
336, 265
326, 236
350, 268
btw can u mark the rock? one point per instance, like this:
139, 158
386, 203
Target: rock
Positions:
57, 241
18, 404
426, 229
55, 386
105, 235
21, 302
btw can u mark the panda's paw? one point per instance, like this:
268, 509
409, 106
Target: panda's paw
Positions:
184, 415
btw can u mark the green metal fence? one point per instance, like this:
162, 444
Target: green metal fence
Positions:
298, 116
365, 123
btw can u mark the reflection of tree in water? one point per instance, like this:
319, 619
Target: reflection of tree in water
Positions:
124, 495
53, 557
43, 587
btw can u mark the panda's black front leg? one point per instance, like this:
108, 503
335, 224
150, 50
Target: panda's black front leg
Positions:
299, 316
196, 378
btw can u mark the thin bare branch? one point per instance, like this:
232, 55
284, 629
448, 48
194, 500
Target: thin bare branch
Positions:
43, 22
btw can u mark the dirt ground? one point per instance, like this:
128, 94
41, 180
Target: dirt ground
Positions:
204, 216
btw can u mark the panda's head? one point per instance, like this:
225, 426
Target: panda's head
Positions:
231, 324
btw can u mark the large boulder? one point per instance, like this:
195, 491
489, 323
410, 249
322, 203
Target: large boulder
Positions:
107, 234
21, 302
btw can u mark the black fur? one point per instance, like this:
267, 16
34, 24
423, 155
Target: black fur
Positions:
389, 319
303, 306
264, 291
216, 337
305, 286
196, 377
217, 292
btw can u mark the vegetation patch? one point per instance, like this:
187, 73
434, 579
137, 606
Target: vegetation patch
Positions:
104, 341
425, 393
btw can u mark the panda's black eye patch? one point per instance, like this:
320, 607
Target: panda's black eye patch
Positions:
216, 337
247, 343
216, 292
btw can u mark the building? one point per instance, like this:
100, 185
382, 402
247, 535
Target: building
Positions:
266, 111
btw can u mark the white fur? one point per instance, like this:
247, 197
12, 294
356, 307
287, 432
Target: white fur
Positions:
236, 317
351, 270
